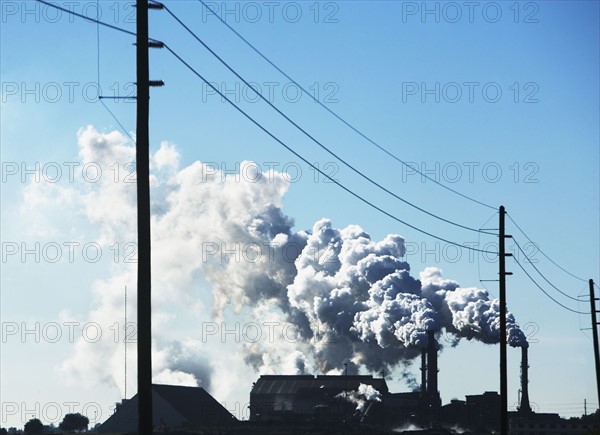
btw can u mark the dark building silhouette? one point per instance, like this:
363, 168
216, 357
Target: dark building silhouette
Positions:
527, 422
310, 398
546, 424
305, 400
404, 408
173, 407
479, 412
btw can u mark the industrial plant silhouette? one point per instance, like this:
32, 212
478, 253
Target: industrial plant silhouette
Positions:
308, 404
326, 404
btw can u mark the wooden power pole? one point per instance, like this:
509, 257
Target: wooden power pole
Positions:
595, 335
503, 366
142, 151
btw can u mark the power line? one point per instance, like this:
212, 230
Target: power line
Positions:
98, 72
347, 123
256, 50
117, 121
355, 170
542, 252
544, 291
478, 257
270, 134
542, 275
98, 39
85, 17
356, 195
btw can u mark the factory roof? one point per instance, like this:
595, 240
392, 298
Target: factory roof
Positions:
282, 384
172, 406
194, 403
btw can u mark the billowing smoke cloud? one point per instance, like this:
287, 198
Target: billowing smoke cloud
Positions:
351, 300
364, 307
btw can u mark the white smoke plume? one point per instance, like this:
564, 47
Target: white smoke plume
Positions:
408, 428
360, 296
350, 299
361, 397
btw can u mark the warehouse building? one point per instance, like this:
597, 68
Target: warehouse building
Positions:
308, 397
173, 407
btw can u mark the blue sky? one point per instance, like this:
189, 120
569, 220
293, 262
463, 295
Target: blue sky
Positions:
534, 150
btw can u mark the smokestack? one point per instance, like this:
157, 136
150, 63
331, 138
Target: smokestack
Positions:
432, 384
423, 371
524, 407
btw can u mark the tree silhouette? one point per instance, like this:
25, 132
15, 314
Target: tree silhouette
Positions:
74, 422
33, 426
3, 431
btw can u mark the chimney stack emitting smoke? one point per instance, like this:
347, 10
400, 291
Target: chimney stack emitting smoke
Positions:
432, 366
423, 371
430, 397
524, 407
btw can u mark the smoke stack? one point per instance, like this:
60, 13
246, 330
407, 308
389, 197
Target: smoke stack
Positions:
432, 384
423, 371
524, 407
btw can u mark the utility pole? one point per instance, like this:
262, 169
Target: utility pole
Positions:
142, 150
595, 335
144, 308
125, 342
503, 365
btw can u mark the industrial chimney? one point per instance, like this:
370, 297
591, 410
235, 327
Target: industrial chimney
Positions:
432, 366
423, 371
524, 407
431, 398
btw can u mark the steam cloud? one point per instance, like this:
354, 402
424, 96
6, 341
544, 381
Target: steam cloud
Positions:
352, 300
365, 394
363, 307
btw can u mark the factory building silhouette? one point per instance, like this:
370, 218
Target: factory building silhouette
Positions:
297, 403
308, 397
323, 398
172, 407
